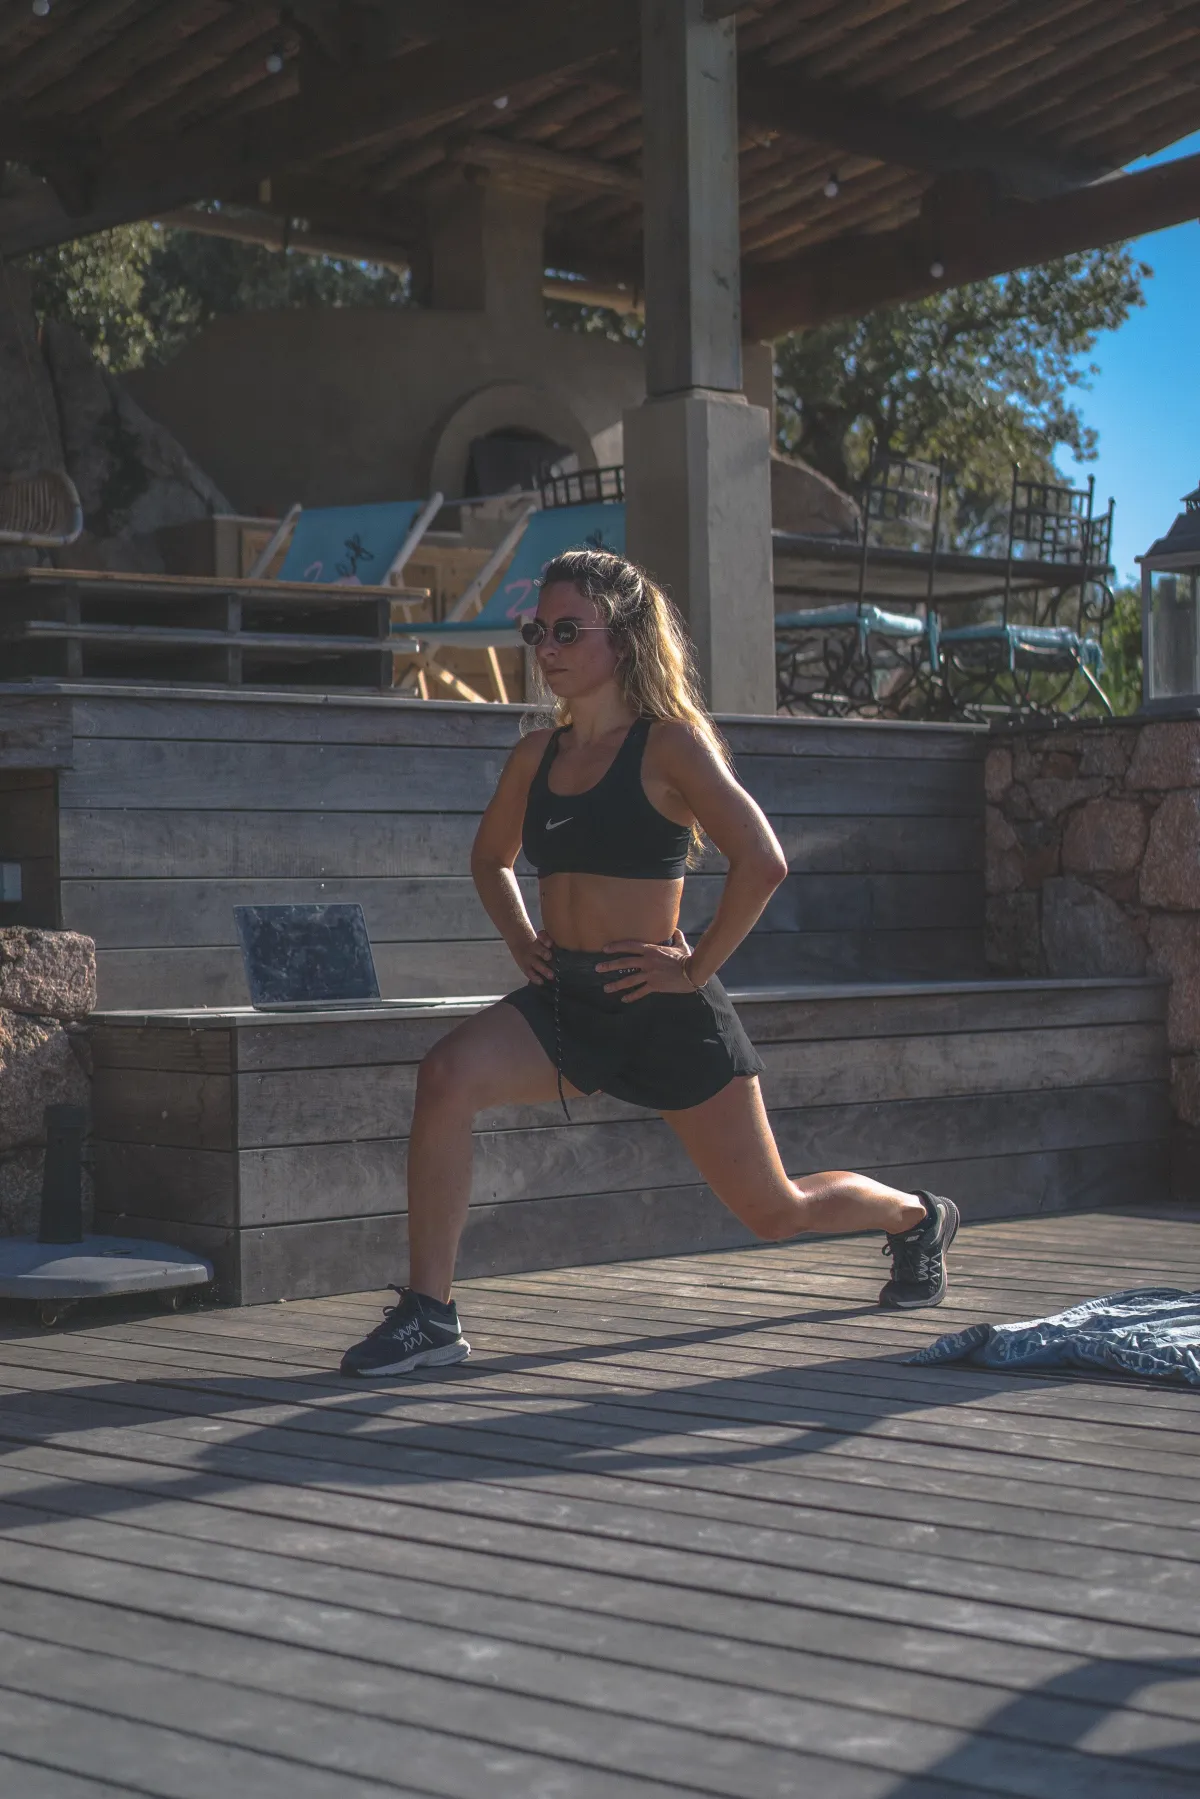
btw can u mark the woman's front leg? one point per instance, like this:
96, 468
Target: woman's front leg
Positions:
493, 1059
730, 1140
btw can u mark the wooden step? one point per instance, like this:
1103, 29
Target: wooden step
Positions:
171, 807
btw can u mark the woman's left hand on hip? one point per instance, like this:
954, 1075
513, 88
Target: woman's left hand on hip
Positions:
647, 968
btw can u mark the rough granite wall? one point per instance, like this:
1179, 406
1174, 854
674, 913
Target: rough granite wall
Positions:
1093, 865
47, 988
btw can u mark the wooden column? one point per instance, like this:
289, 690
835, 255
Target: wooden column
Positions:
697, 454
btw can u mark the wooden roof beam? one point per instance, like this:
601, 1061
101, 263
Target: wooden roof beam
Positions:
968, 234
776, 99
140, 175
554, 167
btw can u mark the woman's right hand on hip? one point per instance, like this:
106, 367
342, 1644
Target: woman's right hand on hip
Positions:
535, 958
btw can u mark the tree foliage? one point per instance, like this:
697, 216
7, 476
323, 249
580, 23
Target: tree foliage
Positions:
96, 285
1123, 651
981, 375
138, 293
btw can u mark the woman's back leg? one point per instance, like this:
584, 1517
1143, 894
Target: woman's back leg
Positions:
730, 1140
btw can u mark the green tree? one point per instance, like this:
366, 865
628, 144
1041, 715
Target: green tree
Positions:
981, 375
138, 293
1122, 639
191, 278
95, 285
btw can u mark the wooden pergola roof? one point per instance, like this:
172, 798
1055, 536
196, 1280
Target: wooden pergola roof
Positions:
963, 137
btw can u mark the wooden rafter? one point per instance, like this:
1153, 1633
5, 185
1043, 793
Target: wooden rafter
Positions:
139, 175
866, 125
974, 241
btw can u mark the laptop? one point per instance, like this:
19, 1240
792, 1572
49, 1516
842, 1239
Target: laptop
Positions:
301, 957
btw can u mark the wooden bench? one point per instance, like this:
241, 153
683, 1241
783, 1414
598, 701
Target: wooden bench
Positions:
275, 1144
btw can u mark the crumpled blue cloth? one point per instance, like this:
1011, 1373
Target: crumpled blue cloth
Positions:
1150, 1332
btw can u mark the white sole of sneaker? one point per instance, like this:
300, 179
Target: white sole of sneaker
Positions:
425, 1358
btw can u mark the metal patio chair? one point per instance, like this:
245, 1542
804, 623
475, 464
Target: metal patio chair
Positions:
856, 657
1047, 665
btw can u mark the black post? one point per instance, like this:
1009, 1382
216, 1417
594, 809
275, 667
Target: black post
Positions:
62, 1181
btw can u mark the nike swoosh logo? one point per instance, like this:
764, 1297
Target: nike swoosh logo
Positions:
552, 825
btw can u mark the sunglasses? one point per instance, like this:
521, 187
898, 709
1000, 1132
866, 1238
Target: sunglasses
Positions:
563, 630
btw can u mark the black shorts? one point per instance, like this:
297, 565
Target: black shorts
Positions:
667, 1051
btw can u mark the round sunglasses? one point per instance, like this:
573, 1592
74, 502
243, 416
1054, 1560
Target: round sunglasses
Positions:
563, 630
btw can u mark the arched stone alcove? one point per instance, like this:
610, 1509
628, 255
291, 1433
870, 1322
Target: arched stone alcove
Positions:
502, 406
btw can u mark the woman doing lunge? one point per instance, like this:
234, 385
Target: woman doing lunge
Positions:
608, 807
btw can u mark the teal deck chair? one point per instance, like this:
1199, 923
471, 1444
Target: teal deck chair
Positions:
349, 546
535, 540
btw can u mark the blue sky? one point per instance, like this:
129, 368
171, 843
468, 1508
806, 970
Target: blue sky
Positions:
1145, 402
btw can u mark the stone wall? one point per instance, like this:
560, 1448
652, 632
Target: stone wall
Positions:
1093, 865
47, 988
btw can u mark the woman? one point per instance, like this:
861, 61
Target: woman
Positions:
608, 807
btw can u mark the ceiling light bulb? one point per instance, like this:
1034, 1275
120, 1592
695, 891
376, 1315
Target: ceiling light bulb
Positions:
500, 102
937, 270
41, 8
275, 62
832, 188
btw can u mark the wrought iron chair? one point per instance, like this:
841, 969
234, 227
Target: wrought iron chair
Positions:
39, 510
860, 658
1043, 665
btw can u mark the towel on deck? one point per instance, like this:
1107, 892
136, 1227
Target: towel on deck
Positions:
1150, 1332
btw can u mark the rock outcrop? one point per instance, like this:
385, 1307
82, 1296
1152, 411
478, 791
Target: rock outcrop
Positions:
61, 409
51, 974
29, 433
133, 477
47, 986
805, 501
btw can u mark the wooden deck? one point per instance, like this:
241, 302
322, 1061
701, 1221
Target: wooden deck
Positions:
678, 1527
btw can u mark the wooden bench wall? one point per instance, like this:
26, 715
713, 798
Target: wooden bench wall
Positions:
277, 1146
179, 806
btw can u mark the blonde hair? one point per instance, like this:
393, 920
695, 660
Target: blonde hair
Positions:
656, 671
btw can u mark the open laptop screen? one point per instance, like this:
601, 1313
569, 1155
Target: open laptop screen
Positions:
306, 956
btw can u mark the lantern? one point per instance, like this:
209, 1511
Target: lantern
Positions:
1170, 626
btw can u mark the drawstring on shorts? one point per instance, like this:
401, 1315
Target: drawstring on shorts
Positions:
558, 1042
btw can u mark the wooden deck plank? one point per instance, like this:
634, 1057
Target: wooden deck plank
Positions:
681, 1527
819, 1397
302, 1375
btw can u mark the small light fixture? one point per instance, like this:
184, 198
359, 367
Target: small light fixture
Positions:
500, 102
832, 188
40, 8
937, 270
275, 61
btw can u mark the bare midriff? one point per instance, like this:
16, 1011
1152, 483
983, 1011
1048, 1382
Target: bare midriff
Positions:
585, 912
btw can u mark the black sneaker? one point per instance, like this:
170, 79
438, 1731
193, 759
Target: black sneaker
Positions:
918, 1270
416, 1333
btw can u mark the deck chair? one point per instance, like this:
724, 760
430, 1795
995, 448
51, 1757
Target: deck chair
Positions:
40, 510
348, 546
534, 540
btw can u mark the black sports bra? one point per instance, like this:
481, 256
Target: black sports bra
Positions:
610, 829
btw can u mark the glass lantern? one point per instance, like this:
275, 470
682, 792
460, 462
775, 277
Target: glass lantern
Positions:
1170, 628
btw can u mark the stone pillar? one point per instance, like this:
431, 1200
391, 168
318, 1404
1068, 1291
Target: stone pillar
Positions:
697, 455
486, 248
